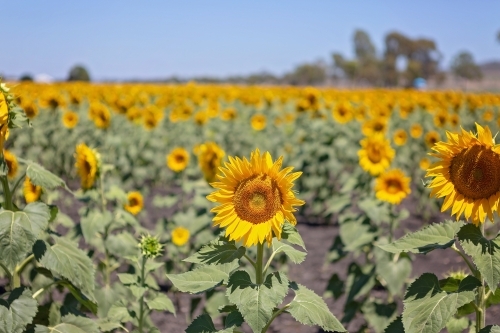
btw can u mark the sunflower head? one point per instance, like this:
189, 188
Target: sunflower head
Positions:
150, 246
424, 163
400, 137
392, 186
31, 192
228, 114
11, 161
467, 174
374, 126
210, 156
376, 154
180, 236
135, 203
342, 113
70, 119
255, 198
30, 109
258, 122
88, 163
178, 159
431, 138
100, 115
416, 131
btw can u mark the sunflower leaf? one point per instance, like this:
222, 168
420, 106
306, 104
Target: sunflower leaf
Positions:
18, 311
292, 236
202, 278
295, 255
70, 324
310, 309
40, 176
490, 329
484, 252
217, 252
435, 236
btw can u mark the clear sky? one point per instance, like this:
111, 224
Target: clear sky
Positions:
121, 39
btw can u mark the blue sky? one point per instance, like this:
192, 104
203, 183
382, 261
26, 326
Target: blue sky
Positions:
121, 39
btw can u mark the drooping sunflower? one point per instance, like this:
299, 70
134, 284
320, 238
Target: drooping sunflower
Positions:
180, 236
258, 122
376, 154
392, 186
210, 156
255, 198
87, 165
70, 119
31, 192
178, 159
12, 164
135, 203
468, 174
400, 137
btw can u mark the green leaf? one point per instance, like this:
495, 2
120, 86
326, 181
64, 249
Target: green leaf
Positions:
137, 291
291, 235
490, 329
335, 287
256, 302
219, 251
295, 255
105, 297
396, 326
39, 215
18, 233
427, 308
79, 296
202, 324
310, 309
42, 177
65, 259
18, 311
234, 318
71, 324
202, 278
356, 232
94, 223
484, 252
435, 236
121, 245
160, 302
379, 315
376, 210
126, 278
394, 273
469, 283
457, 325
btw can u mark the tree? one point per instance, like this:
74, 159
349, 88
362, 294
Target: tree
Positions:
463, 66
368, 66
363, 46
79, 73
307, 74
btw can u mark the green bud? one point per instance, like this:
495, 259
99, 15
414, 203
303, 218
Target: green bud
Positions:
150, 246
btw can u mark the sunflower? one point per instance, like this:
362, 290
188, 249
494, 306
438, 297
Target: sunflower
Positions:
342, 113
135, 203
12, 164
87, 165
400, 137
100, 115
256, 198
440, 119
488, 115
416, 131
375, 154
392, 186
29, 108
210, 156
228, 114
468, 174
374, 126
424, 163
4, 114
431, 138
180, 236
31, 192
70, 119
178, 159
258, 122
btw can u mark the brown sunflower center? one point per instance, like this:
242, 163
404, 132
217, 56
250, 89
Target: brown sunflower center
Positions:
179, 158
475, 172
374, 153
394, 186
133, 202
257, 199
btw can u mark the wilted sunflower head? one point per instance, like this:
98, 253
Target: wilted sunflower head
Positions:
210, 156
255, 198
70, 119
400, 137
392, 186
87, 164
12, 164
180, 236
135, 203
31, 192
258, 122
468, 174
178, 159
376, 154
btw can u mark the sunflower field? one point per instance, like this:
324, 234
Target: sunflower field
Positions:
191, 208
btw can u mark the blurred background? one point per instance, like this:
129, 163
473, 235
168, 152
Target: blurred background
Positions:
449, 44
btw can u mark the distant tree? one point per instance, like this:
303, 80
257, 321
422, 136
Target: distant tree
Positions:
463, 66
363, 46
343, 67
368, 66
498, 36
78, 73
307, 74
26, 78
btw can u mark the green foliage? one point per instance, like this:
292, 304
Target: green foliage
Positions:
202, 278
42, 177
70, 324
219, 251
17, 311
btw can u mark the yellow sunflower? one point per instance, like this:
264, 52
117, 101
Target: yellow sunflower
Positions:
400, 137
376, 154
342, 113
180, 236
416, 131
255, 198
178, 159
87, 165
100, 115
4, 115
258, 122
431, 138
392, 186
70, 119
468, 174
374, 126
31, 192
210, 156
135, 203
29, 108
12, 164
425, 163
228, 114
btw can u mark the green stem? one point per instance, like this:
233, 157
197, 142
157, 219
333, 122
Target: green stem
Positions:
276, 314
258, 264
101, 187
474, 271
18, 182
141, 301
269, 261
6, 270
41, 290
21, 266
6, 194
250, 260
481, 300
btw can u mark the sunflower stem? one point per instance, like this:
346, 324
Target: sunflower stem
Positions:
6, 194
481, 299
141, 301
276, 314
18, 182
259, 264
471, 267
